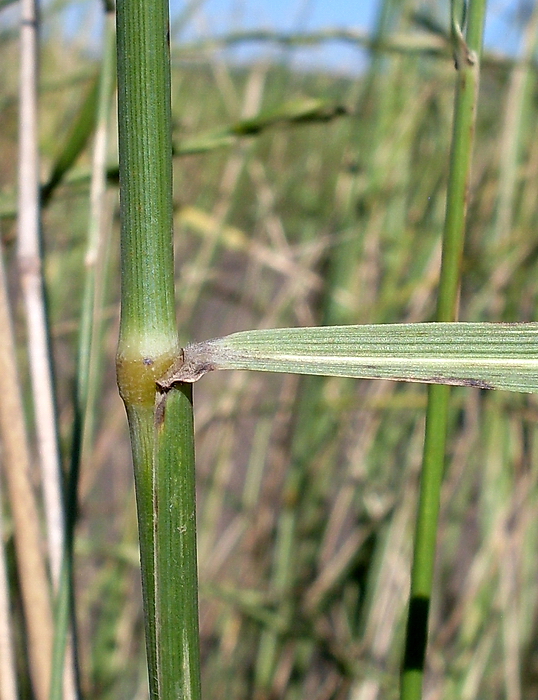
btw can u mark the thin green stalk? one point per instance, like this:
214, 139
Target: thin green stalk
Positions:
64, 602
466, 55
95, 226
161, 427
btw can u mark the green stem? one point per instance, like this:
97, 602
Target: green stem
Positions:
466, 52
161, 426
148, 326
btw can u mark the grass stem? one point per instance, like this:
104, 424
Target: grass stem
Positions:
466, 55
161, 426
29, 257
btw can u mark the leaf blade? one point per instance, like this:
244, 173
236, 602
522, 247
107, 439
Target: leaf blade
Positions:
484, 355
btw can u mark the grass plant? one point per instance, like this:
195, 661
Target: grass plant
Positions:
300, 200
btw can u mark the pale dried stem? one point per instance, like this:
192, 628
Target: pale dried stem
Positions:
16, 461
32, 287
31, 275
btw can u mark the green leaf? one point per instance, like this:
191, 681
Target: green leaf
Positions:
299, 111
484, 355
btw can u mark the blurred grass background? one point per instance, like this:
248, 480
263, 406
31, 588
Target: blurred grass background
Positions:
307, 487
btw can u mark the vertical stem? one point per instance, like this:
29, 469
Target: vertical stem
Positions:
466, 52
161, 427
28, 545
95, 225
40, 637
175, 557
32, 287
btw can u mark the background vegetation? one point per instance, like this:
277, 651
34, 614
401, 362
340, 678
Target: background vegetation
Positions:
330, 212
